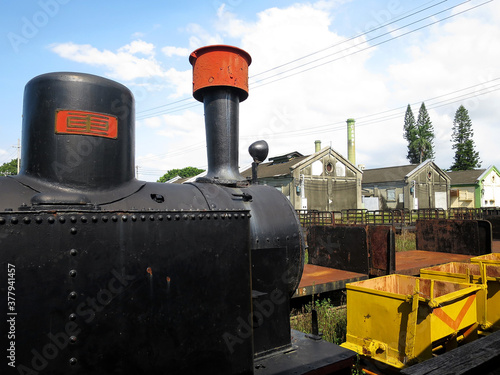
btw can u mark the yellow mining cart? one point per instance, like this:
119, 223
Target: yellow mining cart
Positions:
399, 320
493, 258
487, 275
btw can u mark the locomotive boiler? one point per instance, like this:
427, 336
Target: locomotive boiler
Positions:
106, 274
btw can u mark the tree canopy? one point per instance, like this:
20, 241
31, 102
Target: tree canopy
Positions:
466, 157
183, 173
420, 137
409, 135
9, 169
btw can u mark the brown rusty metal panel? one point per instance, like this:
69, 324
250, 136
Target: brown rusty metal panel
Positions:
410, 262
485, 235
341, 247
317, 279
382, 249
495, 225
452, 236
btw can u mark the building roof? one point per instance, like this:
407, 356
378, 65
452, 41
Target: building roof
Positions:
272, 169
284, 158
465, 177
174, 180
387, 174
281, 166
399, 173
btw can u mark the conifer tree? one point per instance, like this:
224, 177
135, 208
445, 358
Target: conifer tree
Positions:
466, 157
409, 135
423, 136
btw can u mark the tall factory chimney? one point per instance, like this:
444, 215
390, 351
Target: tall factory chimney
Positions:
351, 149
317, 146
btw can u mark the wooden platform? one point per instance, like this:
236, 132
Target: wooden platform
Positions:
306, 356
480, 357
410, 262
317, 279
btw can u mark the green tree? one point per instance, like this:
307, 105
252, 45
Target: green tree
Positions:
466, 157
423, 136
409, 135
9, 169
184, 172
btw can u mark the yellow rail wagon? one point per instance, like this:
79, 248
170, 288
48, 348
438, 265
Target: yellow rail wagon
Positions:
487, 275
493, 258
399, 319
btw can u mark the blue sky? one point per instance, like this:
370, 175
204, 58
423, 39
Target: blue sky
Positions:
315, 64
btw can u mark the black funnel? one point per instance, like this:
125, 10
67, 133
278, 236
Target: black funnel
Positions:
220, 81
78, 131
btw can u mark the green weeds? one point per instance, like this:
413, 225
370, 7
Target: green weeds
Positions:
405, 241
332, 320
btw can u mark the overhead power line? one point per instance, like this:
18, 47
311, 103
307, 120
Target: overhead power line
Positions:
269, 80
375, 118
368, 119
396, 112
345, 41
170, 110
366, 42
164, 105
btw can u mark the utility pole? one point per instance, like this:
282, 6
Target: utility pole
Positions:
18, 154
137, 171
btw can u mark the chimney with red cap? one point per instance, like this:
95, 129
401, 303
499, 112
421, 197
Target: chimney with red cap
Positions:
220, 81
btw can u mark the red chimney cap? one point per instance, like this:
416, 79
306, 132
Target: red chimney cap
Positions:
220, 65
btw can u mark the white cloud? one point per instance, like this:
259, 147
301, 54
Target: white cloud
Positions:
152, 122
123, 64
134, 63
201, 37
181, 139
453, 56
187, 125
326, 95
181, 82
328, 5
170, 51
229, 24
138, 46
138, 35
293, 112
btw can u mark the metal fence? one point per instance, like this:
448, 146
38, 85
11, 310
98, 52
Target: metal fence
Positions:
313, 217
397, 218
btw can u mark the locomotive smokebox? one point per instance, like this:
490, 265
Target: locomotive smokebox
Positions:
220, 81
78, 132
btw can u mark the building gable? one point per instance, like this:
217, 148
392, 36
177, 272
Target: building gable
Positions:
426, 172
326, 163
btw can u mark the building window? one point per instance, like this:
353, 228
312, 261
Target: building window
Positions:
391, 194
329, 167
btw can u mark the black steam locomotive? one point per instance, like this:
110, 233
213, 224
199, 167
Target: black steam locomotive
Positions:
106, 274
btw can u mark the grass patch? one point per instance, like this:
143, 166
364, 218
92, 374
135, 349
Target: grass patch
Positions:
332, 320
405, 241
